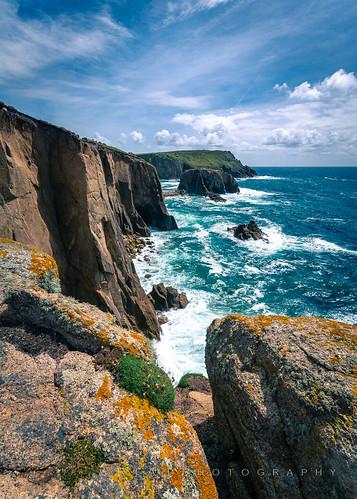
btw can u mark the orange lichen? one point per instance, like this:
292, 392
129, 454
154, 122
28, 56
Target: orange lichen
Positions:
203, 476
250, 388
335, 360
164, 469
354, 390
3, 253
104, 391
176, 477
142, 411
169, 452
178, 428
308, 325
125, 345
42, 263
148, 435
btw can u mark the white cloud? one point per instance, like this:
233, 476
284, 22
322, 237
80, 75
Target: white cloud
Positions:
31, 44
183, 8
136, 137
164, 98
305, 91
101, 138
340, 81
165, 137
304, 122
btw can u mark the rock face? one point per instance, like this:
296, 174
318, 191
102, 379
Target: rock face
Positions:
284, 391
173, 164
75, 199
68, 430
165, 298
249, 231
203, 182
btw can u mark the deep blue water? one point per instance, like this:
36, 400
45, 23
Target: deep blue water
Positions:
308, 268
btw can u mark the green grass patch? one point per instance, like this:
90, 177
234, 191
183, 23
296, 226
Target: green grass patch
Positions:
185, 380
197, 158
146, 380
81, 461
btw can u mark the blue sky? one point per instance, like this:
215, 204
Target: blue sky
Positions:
275, 82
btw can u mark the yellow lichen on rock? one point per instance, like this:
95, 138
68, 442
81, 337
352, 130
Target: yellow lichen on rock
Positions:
42, 263
104, 391
124, 475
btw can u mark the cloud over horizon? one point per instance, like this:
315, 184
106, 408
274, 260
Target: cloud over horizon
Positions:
273, 82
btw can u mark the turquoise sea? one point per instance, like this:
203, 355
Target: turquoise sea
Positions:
309, 266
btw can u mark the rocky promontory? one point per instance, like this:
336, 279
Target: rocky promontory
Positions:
76, 199
173, 163
204, 182
284, 393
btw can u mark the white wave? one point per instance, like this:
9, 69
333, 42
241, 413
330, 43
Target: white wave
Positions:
183, 337
261, 177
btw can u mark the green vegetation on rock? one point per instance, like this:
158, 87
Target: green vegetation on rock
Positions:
198, 158
146, 380
81, 460
185, 380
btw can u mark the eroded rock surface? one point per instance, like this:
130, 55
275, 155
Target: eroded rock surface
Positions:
67, 430
204, 181
284, 392
49, 404
75, 199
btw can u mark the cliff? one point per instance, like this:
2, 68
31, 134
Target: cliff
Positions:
76, 199
284, 393
173, 164
70, 426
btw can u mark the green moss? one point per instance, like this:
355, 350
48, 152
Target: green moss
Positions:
185, 380
81, 460
146, 380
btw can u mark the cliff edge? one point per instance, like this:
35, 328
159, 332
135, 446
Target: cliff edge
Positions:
76, 199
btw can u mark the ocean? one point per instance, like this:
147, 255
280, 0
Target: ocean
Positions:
308, 268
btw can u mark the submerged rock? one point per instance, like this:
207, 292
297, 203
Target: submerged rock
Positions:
249, 231
284, 392
216, 197
165, 298
205, 181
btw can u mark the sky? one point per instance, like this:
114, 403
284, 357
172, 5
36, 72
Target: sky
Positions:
274, 82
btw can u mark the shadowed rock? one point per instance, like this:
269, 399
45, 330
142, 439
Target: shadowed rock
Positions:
75, 199
165, 298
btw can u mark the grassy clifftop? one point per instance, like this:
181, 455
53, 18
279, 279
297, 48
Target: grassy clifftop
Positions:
171, 164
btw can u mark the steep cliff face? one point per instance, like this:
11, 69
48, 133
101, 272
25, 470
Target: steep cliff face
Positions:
75, 200
173, 164
284, 394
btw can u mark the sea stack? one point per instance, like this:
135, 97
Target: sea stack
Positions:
204, 181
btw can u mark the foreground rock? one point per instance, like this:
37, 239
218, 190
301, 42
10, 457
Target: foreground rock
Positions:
244, 232
58, 407
203, 182
75, 199
68, 430
284, 391
164, 298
